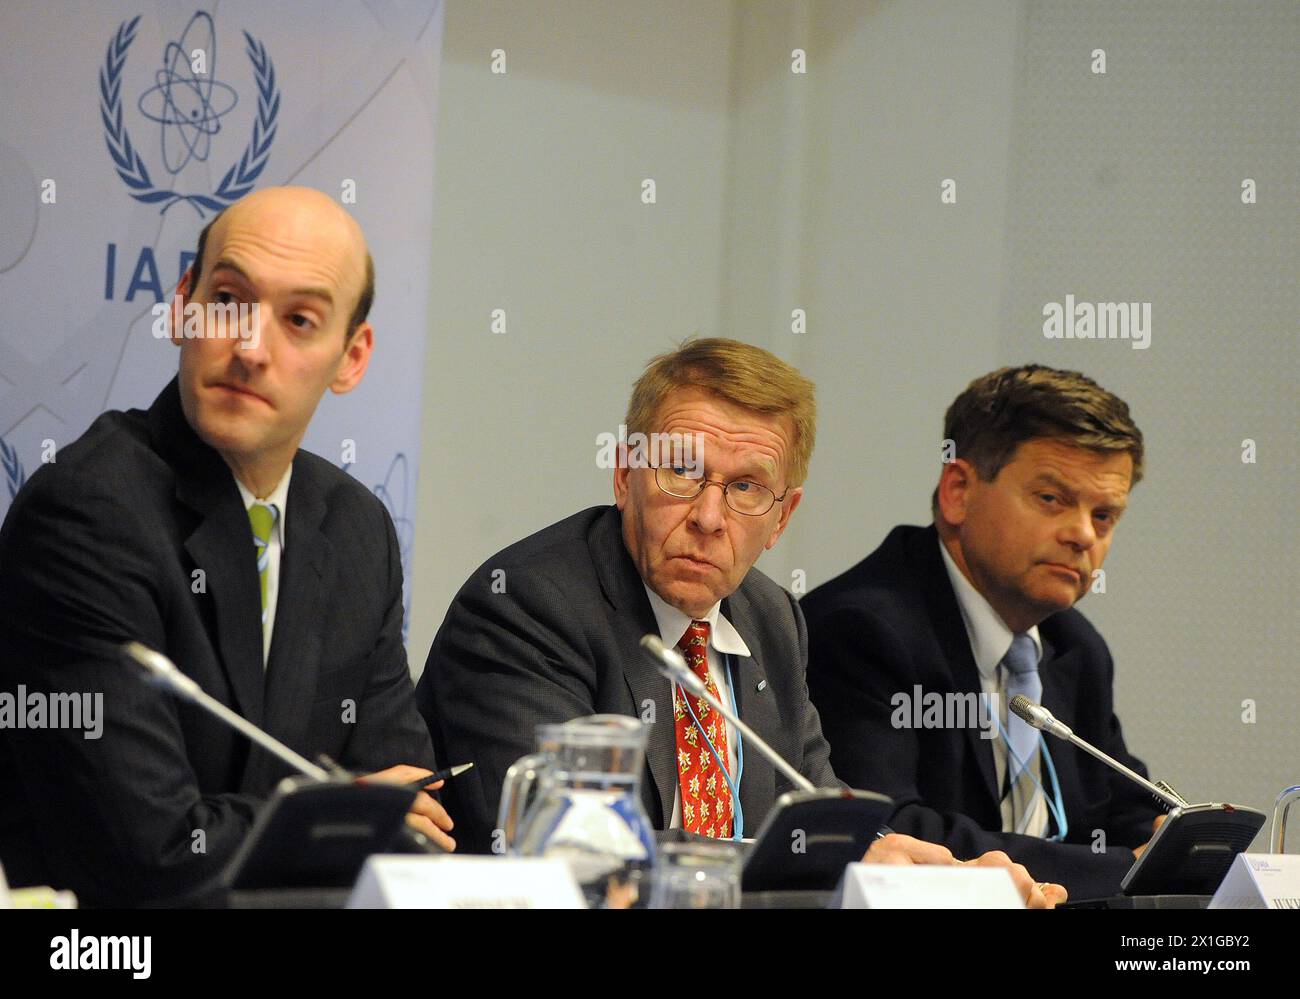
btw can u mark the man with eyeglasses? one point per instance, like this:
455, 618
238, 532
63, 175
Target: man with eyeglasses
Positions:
548, 629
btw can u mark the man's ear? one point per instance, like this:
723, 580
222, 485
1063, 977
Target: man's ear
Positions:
792, 500
180, 297
955, 483
356, 358
621, 472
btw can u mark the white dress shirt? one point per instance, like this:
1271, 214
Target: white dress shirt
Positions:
724, 639
278, 498
990, 638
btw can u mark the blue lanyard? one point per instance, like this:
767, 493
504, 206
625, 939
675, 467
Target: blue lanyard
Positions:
1057, 807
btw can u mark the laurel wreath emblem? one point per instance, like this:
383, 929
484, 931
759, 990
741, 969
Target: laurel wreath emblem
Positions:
239, 179
13, 468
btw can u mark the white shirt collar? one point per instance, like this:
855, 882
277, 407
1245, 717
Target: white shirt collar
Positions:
990, 638
278, 498
673, 624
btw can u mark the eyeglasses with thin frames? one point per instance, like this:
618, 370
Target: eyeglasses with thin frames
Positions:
742, 495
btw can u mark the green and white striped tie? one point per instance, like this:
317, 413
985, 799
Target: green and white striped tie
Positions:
263, 518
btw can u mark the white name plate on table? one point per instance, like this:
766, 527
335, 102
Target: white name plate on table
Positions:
1260, 881
926, 886
401, 881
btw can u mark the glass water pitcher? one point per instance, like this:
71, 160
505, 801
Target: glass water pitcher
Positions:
579, 798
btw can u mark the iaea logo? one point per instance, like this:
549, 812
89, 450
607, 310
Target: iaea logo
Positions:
12, 467
188, 104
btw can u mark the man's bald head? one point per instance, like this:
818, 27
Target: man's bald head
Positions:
301, 210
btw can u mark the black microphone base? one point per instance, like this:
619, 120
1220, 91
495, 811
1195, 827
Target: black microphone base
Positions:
1142, 902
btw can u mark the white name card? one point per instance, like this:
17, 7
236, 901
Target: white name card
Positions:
1260, 881
407, 882
926, 886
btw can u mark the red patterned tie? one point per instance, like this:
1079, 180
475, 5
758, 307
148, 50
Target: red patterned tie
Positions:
706, 796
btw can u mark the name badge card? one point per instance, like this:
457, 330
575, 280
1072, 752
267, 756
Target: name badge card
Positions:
406, 882
926, 886
1260, 881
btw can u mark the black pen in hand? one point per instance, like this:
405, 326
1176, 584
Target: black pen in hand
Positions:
445, 774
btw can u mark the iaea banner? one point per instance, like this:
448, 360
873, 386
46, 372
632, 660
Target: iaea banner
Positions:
125, 126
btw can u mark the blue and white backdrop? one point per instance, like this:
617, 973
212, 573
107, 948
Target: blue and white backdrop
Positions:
125, 125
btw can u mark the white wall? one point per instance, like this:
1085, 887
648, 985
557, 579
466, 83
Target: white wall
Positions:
1127, 187
775, 191
778, 191
538, 212
902, 293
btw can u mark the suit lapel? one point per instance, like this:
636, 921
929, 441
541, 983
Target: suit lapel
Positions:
231, 580
306, 568
950, 628
1058, 676
756, 706
221, 546
623, 588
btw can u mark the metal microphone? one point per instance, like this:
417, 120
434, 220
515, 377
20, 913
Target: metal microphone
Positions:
673, 666
162, 672
1040, 718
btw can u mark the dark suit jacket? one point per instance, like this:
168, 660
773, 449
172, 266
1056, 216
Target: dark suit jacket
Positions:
561, 642
893, 622
138, 531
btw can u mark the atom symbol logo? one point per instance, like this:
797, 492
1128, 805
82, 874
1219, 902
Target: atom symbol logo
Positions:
188, 107
181, 100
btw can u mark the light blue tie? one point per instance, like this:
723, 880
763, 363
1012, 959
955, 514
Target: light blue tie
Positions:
1021, 662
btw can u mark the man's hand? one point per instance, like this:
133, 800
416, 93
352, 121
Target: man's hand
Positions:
1037, 894
1156, 824
427, 814
899, 849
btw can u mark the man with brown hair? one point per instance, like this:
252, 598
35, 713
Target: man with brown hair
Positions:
979, 607
549, 629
